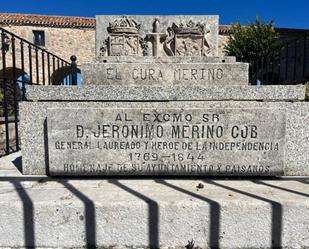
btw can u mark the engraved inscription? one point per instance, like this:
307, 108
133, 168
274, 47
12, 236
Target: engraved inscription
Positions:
168, 74
166, 141
154, 74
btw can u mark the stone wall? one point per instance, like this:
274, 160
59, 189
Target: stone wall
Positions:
62, 42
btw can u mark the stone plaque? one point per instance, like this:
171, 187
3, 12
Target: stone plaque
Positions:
165, 74
166, 141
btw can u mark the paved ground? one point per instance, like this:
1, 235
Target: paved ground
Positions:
82, 212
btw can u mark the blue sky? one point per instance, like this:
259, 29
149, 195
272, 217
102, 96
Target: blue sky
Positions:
287, 14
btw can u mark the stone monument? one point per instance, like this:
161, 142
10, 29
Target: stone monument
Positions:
157, 100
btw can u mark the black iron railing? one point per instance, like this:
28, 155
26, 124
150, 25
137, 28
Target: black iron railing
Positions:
22, 63
287, 66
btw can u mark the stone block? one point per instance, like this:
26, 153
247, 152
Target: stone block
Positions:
166, 59
156, 31
165, 74
43, 212
34, 127
162, 93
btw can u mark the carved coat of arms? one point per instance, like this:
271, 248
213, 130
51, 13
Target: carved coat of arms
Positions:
187, 40
124, 39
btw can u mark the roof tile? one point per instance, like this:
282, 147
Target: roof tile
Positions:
48, 21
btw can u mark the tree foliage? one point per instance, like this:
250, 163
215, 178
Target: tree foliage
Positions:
253, 41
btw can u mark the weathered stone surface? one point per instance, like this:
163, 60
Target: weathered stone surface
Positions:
161, 93
165, 74
167, 59
163, 36
34, 116
43, 212
165, 141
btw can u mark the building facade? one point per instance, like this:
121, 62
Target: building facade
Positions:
63, 36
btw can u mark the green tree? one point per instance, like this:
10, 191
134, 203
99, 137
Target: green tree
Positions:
253, 41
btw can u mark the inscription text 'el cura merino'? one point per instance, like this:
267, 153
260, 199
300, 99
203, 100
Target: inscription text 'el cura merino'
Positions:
167, 73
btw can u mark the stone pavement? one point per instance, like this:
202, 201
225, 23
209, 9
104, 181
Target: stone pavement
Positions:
39, 211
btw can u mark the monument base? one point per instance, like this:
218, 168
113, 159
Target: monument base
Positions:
43, 212
56, 115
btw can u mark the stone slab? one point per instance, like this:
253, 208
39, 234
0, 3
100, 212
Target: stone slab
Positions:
33, 127
146, 27
160, 93
42, 212
166, 141
167, 59
166, 74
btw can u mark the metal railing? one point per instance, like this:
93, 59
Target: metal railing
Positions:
22, 63
287, 66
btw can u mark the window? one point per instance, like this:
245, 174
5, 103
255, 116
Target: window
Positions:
39, 38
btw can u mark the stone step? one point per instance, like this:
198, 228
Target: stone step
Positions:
38, 211
161, 93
